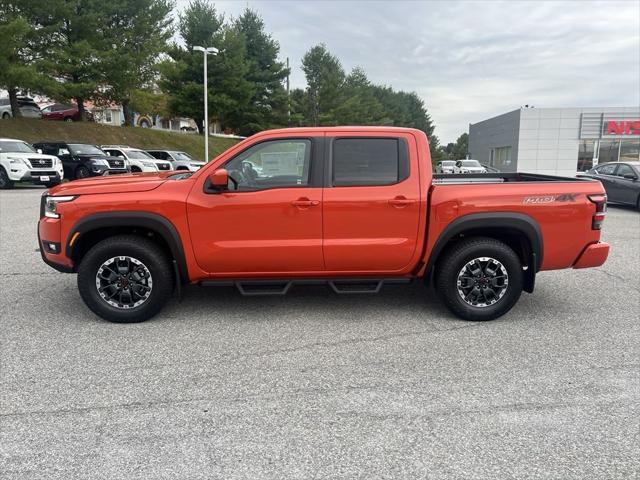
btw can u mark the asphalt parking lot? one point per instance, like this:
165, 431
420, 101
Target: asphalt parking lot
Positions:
315, 385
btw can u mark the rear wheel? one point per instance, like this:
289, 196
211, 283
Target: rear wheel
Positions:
125, 279
68, 119
5, 182
479, 279
6, 115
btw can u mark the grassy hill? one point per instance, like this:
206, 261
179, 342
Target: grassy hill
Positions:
33, 130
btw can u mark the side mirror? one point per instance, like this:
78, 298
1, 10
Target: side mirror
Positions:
219, 179
630, 176
39, 150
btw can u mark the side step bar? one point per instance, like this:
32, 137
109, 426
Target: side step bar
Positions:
271, 286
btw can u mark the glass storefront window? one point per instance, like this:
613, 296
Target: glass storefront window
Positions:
501, 156
630, 150
585, 155
609, 151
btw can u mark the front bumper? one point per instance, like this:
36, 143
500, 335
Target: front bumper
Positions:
97, 170
49, 233
593, 256
41, 177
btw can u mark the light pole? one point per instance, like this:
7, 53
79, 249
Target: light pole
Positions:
206, 51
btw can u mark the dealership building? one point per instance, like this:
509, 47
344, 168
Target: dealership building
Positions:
557, 141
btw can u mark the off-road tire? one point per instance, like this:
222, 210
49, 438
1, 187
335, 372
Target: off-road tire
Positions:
455, 259
134, 246
5, 182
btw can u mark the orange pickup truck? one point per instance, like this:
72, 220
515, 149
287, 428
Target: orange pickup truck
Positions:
351, 207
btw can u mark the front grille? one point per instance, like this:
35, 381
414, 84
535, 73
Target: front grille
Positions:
41, 162
115, 163
164, 166
40, 173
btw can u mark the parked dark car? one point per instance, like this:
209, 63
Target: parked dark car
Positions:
64, 112
81, 160
28, 108
620, 180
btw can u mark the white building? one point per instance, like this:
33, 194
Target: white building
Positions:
556, 141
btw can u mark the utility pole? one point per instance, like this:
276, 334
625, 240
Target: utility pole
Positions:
288, 96
206, 100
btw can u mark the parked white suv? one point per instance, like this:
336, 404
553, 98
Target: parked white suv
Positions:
139, 160
445, 166
19, 162
179, 160
468, 166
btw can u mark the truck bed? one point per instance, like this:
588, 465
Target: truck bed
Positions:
500, 177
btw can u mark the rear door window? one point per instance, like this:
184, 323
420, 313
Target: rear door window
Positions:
606, 169
369, 162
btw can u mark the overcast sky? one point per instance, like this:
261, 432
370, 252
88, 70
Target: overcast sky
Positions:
470, 60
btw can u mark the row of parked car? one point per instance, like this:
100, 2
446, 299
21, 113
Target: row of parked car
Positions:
463, 166
30, 109
48, 162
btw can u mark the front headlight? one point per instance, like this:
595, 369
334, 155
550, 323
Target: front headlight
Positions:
99, 161
18, 161
195, 165
51, 205
150, 164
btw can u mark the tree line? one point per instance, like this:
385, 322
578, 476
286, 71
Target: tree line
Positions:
134, 53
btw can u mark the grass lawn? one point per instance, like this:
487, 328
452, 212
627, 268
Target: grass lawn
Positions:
33, 130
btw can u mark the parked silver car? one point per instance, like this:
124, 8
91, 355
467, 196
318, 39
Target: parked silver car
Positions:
28, 108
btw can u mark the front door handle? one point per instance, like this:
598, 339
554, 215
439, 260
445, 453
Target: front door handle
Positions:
400, 202
305, 202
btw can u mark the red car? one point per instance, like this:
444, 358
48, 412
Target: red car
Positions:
64, 112
355, 208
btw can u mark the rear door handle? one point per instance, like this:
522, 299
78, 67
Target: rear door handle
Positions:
305, 202
400, 202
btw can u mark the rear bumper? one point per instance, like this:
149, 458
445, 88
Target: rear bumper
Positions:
593, 256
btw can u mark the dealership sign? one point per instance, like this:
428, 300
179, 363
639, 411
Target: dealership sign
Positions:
622, 127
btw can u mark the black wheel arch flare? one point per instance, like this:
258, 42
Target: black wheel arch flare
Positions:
150, 221
508, 222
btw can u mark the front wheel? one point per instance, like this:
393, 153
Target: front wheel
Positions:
479, 279
125, 279
82, 172
5, 181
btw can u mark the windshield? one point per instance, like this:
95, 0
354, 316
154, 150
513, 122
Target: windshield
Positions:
19, 147
139, 155
471, 163
84, 149
182, 156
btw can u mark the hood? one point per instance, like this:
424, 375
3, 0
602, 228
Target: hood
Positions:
29, 155
473, 169
90, 155
121, 183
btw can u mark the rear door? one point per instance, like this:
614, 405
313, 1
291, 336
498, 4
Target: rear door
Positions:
371, 203
606, 175
626, 189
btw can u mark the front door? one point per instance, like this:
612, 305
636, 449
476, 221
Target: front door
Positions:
371, 213
269, 221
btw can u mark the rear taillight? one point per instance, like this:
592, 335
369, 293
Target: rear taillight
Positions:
601, 210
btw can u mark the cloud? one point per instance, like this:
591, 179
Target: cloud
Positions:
470, 60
